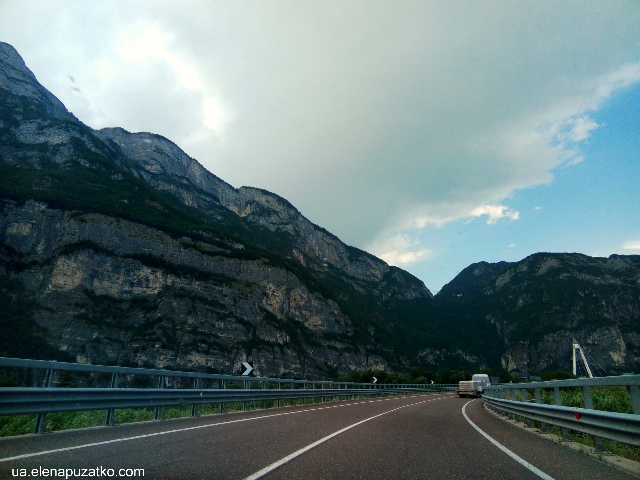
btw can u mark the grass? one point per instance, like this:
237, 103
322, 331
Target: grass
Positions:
610, 399
620, 449
25, 424
17, 425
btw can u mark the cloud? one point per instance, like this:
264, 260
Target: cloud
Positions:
632, 245
400, 250
582, 128
139, 78
495, 213
401, 116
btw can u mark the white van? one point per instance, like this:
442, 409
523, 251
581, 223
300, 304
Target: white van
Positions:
480, 380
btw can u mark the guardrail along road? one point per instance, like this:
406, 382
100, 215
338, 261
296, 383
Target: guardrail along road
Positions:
412, 434
419, 436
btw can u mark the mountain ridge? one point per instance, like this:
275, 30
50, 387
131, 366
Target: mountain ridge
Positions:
119, 248
61, 180
539, 304
196, 186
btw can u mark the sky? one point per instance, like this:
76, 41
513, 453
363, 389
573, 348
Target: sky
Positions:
433, 134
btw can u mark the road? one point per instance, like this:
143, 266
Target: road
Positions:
414, 437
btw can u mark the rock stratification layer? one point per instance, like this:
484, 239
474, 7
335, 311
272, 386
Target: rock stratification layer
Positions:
118, 248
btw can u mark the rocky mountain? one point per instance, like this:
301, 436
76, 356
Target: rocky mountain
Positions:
532, 309
118, 248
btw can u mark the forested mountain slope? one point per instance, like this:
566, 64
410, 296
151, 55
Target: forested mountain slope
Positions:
118, 248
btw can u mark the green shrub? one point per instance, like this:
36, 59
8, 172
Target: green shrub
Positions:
17, 425
70, 420
611, 399
130, 415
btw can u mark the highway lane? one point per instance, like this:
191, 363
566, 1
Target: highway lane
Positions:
420, 437
438, 443
230, 446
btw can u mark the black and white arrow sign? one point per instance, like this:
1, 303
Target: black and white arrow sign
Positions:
375, 379
247, 368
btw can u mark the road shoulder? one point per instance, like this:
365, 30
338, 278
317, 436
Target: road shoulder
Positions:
620, 463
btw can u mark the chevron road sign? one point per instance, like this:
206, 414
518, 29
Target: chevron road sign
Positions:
247, 369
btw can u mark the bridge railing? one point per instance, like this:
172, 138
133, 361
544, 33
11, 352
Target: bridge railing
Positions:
543, 402
111, 388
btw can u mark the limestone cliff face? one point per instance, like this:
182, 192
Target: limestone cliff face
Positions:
119, 248
113, 291
127, 251
164, 166
537, 306
15, 77
613, 348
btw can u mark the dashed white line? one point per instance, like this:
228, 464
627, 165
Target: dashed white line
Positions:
297, 453
518, 459
155, 434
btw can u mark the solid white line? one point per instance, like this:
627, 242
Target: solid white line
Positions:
518, 459
297, 453
137, 437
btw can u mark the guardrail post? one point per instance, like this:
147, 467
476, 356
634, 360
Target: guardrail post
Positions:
264, 386
496, 393
194, 406
536, 393
510, 395
523, 398
291, 400
557, 399
245, 384
158, 415
111, 414
588, 403
634, 395
279, 388
223, 384
41, 421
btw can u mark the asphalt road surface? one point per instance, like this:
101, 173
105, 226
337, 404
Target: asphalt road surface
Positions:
416, 437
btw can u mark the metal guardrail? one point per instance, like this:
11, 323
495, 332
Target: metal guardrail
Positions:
16, 401
445, 387
79, 367
512, 399
46, 398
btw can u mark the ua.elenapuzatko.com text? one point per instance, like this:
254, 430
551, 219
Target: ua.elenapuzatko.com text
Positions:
66, 473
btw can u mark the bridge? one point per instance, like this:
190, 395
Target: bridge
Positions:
367, 431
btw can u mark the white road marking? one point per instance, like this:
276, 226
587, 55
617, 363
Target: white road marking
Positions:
518, 459
137, 437
297, 453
